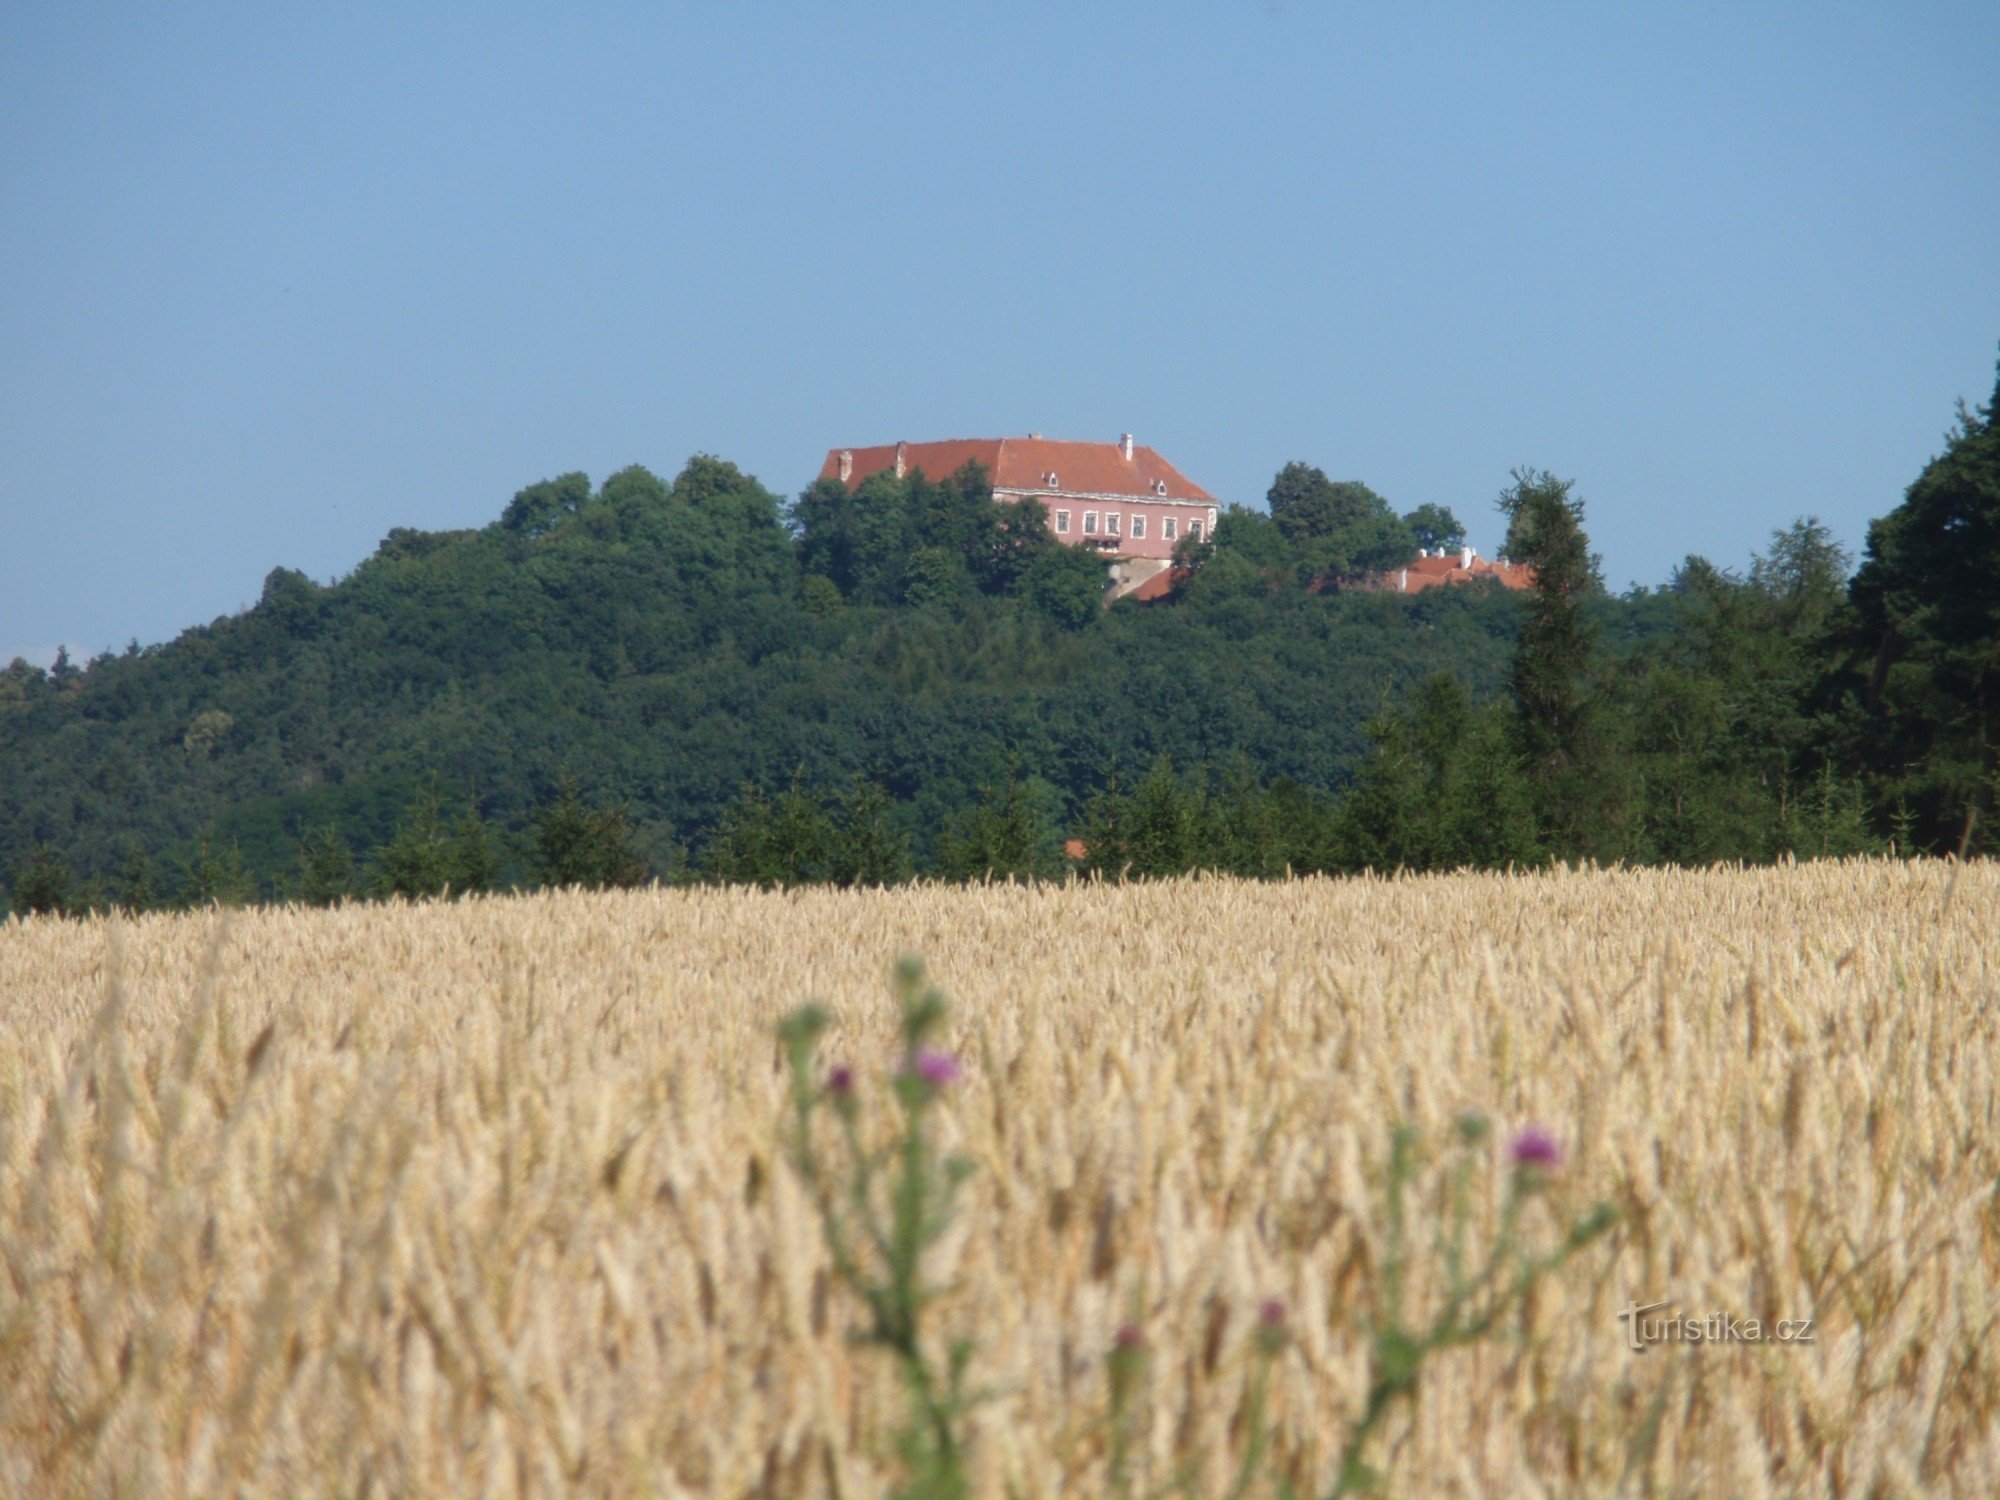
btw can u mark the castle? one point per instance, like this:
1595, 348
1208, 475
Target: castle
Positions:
1126, 502
1121, 499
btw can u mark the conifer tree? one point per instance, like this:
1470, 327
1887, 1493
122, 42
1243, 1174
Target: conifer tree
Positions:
1549, 676
42, 885
577, 844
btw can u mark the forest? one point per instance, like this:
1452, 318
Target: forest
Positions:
694, 680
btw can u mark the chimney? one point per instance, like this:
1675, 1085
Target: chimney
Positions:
1465, 558
902, 459
846, 464
1125, 445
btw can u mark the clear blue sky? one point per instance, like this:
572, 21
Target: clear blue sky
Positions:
276, 278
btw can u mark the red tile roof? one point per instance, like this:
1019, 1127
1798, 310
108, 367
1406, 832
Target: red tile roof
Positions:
1421, 573
1161, 585
1028, 464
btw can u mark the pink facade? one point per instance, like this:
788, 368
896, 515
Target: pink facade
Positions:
1121, 498
1121, 525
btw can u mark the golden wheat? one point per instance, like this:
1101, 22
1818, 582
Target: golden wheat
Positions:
489, 1198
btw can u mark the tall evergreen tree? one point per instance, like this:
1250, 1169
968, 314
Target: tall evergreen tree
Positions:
864, 847
1549, 678
427, 857
1924, 643
1007, 835
326, 867
577, 844
42, 884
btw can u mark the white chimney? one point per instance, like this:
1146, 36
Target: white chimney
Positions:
902, 459
1464, 556
846, 465
1125, 445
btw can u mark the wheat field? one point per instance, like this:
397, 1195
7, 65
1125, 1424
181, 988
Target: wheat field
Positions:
489, 1198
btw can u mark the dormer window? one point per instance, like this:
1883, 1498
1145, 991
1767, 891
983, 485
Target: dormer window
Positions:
1054, 483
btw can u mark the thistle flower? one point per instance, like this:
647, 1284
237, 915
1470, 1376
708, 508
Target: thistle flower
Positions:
1271, 1325
840, 1080
1130, 1337
938, 1069
1534, 1147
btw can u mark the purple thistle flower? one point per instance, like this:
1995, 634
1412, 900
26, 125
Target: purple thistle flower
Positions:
1130, 1336
1535, 1147
840, 1080
1270, 1333
938, 1069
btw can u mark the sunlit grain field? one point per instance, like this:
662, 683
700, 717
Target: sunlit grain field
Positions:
489, 1198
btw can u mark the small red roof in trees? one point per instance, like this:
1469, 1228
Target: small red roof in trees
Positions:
1028, 464
1161, 585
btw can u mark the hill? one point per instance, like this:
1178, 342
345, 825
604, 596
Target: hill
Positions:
664, 644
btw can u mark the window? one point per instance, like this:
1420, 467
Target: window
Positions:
1138, 528
1194, 530
1111, 523
1062, 523
1167, 524
1090, 523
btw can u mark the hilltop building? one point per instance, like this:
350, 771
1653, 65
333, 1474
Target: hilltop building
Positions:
1437, 567
1121, 499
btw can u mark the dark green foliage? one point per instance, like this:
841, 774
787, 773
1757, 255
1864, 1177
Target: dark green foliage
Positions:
42, 884
771, 841
1007, 835
541, 507
915, 541
326, 867
1066, 585
577, 844
134, 884
1922, 673
429, 856
864, 846
1163, 827
1338, 530
1443, 791
1549, 677
214, 874
1722, 751
1434, 526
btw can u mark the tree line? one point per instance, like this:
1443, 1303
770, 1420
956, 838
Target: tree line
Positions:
687, 681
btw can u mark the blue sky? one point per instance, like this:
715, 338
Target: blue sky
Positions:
276, 278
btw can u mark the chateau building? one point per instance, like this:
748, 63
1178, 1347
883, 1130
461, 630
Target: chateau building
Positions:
1434, 568
1122, 499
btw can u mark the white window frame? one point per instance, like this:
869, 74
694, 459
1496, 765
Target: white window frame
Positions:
1090, 523
1167, 528
1111, 522
1194, 529
1138, 527
1062, 523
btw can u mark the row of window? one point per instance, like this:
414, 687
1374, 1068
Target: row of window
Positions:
1113, 519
